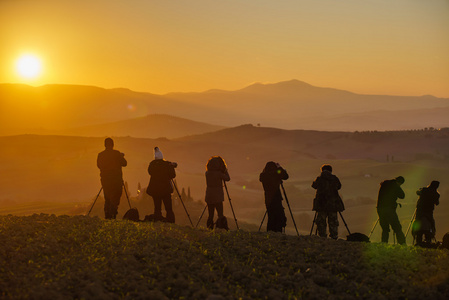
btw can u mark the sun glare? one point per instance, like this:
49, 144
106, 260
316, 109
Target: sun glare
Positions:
29, 66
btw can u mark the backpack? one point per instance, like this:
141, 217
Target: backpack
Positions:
222, 223
132, 215
357, 237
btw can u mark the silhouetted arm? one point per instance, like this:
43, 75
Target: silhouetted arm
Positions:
338, 183
400, 194
172, 172
99, 162
225, 176
123, 161
315, 183
283, 174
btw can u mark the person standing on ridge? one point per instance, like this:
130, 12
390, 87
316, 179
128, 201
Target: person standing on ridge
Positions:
327, 202
216, 173
424, 223
271, 178
160, 187
389, 192
110, 163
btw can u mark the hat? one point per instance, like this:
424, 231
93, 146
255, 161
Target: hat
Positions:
158, 153
326, 168
400, 179
434, 184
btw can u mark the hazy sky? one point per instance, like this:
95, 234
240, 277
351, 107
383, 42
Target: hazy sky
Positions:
396, 47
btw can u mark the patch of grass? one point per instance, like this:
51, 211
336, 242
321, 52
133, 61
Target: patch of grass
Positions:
48, 256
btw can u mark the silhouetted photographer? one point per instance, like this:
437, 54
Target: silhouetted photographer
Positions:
327, 202
424, 223
216, 174
160, 187
389, 192
271, 178
110, 163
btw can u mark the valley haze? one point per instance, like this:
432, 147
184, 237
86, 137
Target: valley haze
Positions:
62, 109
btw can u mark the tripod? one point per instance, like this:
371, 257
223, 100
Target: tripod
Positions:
410, 225
229, 198
346, 225
174, 184
263, 219
199, 220
201, 216
126, 193
95, 201
288, 204
341, 216
374, 227
313, 224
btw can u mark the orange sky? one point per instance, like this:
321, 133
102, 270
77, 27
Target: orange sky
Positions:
395, 47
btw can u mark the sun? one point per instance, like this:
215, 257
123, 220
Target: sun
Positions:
29, 66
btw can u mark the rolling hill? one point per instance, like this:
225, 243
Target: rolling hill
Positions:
289, 105
297, 105
151, 126
25, 109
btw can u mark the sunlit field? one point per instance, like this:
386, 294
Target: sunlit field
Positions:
48, 256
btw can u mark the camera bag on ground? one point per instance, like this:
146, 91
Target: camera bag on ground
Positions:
357, 237
132, 215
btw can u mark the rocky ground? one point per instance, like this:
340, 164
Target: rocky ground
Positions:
62, 257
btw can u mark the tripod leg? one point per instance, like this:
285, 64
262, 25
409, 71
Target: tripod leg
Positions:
410, 225
313, 223
288, 204
262, 220
95, 201
126, 193
201, 216
344, 222
235, 219
374, 227
174, 184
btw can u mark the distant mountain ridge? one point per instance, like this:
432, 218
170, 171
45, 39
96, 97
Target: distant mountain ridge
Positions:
290, 104
151, 126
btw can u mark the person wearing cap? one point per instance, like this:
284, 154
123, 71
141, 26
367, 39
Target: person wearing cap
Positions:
424, 223
271, 179
327, 202
110, 163
389, 192
160, 187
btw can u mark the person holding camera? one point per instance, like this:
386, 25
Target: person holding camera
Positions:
216, 173
271, 178
110, 163
327, 202
160, 187
424, 223
389, 192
